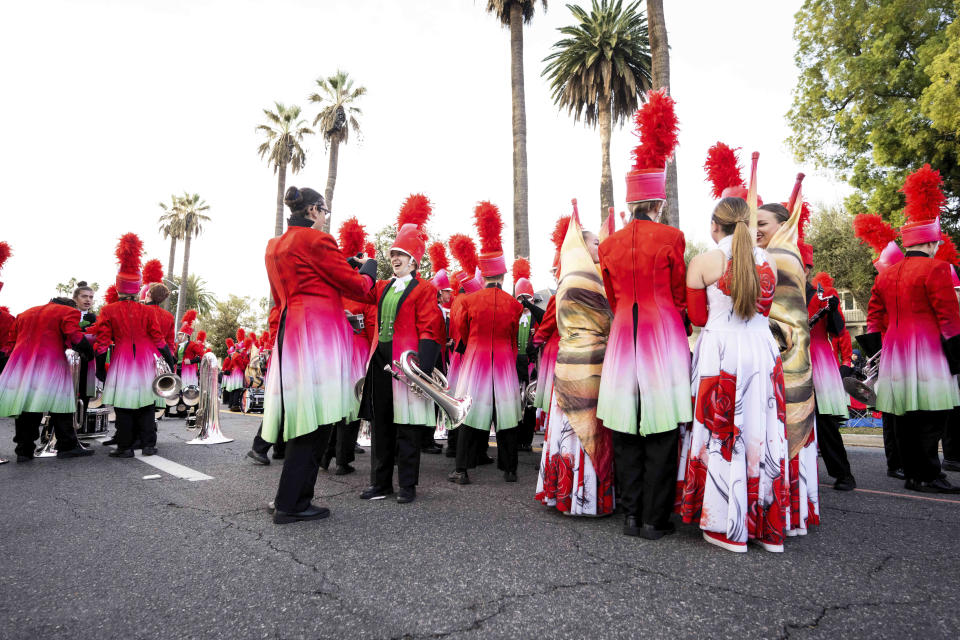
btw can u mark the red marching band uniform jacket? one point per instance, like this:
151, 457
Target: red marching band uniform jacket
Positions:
6, 325
165, 323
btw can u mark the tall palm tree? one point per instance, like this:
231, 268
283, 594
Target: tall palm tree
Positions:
284, 132
660, 52
171, 226
337, 116
600, 72
197, 295
512, 14
192, 207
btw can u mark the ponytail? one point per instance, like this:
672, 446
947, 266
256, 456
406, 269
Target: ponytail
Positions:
732, 214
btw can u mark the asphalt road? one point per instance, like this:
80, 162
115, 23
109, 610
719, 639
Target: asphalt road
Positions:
91, 549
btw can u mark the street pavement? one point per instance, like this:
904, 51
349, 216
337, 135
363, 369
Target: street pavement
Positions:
92, 549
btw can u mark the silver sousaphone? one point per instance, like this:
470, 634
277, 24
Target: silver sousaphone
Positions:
208, 409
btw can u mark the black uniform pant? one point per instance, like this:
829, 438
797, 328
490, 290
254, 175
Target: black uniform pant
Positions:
507, 440
391, 443
528, 424
135, 424
342, 442
951, 436
918, 434
261, 446
471, 444
27, 430
300, 467
831, 446
890, 448
646, 471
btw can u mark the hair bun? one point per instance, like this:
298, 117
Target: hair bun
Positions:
293, 197
82, 283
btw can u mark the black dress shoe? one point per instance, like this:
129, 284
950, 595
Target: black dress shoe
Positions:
510, 476
950, 465
79, 452
459, 477
258, 458
406, 494
23, 458
485, 459
358, 449
110, 442
121, 453
896, 473
845, 484
313, 512
940, 485
149, 451
631, 526
433, 449
652, 532
375, 493
343, 469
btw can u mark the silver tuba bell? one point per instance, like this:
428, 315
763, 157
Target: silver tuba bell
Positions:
434, 386
208, 409
865, 390
167, 384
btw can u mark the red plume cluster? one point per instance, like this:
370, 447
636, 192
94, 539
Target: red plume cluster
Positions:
201, 336
804, 219
241, 334
489, 225
111, 295
871, 229
947, 251
128, 253
230, 342
352, 236
924, 197
438, 256
370, 250
247, 343
464, 251
657, 128
823, 279
264, 337
152, 271
723, 168
5, 310
189, 316
560, 231
416, 210
4, 253
520, 269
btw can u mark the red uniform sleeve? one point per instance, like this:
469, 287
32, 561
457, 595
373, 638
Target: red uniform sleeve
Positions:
427, 314
697, 306
273, 320
844, 347
153, 331
70, 327
678, 273
607, 285
515, 326
104, 331
9, 337
549, 325
876, 310
461, 317
171, 335
330, 262
943, 300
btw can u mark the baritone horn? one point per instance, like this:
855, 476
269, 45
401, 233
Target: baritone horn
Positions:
865, 390
434, 386
167, 384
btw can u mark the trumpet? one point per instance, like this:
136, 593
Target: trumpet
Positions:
166, 384
865, 390
435, 386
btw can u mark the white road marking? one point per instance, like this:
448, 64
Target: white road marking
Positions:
171, 467
152, 476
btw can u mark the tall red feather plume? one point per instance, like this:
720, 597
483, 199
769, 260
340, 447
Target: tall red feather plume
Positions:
370, 250
871, 229
924, 197
189, 316
152, 271
4, 253
4, 310
657, 128
352, 237
723, 168
520, 269
464, 251
947, 251
129, 252
247, 343
823, 278
201, 336
241, 334
415, 209
111, 295
489, 225
264, 337
230, 342
438, 256
560, 231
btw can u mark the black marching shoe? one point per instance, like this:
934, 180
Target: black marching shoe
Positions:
652, 532
950, 465
121, 453
313, 512
258, 458
432, 448
845, 484
940, 485
79, 452
510, 476
375, 493
110, 442
896, 473
343, 469
149, 451
631, 526
406, 494
459, 477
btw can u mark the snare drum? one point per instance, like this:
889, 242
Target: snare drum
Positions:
95, 424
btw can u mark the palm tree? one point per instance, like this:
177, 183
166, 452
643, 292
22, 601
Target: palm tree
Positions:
512, 14
284, 132
336, 118
600, 71
660, 51
192, 207
171, 226
196, 293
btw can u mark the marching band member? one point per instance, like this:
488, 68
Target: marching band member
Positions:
153, 293
488, 322
309, 387
526, 366
407, 319
6, 318
913, 304
132, 330
189, 352
645, 385
951, 434
83, 297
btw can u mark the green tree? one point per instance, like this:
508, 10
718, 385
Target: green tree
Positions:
693, 249
171, 226
67, 288
192, 208
198, 297
513, 14
660, 63
227, 316
873, 99
600, 71
336, 118
284, 132
838, 252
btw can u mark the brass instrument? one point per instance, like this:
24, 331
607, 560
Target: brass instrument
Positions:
865, 390
166, 385
208, 409
48, 438
529, 394
190, 396
434, 386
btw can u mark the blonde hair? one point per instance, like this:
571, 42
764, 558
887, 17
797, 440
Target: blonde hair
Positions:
732, 215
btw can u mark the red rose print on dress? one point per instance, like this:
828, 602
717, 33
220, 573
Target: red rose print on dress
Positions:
696, 482
716, 406
564, 470
768, 283
779, 391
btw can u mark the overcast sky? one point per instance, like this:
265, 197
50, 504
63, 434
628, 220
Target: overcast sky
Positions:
110, 106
